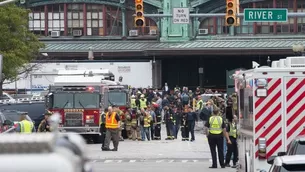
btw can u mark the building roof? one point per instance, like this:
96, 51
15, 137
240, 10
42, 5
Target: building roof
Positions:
138, 46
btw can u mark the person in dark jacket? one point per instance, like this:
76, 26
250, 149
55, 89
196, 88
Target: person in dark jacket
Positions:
169, 123
44, 125
191, 120
103, 126
177, 117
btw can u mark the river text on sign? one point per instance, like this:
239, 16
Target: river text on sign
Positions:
265, 15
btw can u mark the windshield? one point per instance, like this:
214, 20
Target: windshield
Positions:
300, 149
63, 100
86, 100
293, 167
117, 98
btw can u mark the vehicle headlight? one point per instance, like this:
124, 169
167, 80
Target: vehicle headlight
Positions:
90, 119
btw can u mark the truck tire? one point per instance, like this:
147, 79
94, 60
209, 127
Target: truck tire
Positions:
97, 139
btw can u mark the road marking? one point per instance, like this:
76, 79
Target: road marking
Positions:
184, 161
195, 160
159, 161
170, 161
108, 161
132, 161
94, 161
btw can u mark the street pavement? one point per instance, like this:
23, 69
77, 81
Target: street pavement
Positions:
152, 156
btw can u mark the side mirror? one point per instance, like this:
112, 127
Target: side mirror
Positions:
8, 122
281, 153
271, 160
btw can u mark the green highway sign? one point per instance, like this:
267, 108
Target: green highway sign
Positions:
265, 15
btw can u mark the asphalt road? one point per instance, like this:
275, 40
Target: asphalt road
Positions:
154, 156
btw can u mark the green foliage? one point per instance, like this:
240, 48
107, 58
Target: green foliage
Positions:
18, 45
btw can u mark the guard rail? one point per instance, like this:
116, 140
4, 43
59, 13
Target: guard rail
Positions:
22, 100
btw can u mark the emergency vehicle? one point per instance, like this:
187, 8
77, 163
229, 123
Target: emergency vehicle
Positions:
272, 111
81, 99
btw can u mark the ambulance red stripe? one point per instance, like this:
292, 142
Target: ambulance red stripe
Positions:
296, 102
295, 115
267, 105
295, 128
296, 89
268, 129
269, 116
290, 82
269, 91
295, 110
272, 138
274, 149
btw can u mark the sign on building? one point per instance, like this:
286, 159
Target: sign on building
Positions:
181, 15
124, 69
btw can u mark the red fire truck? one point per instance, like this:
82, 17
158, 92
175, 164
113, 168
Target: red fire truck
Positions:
272, 111
81, 99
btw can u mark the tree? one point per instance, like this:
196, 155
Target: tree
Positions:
18, 45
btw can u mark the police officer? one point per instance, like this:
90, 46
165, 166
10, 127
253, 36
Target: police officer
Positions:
103, 126
113, 124
169, 123
232, 148
216, 129
25, 126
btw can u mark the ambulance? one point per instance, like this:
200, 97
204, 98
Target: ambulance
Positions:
271, 111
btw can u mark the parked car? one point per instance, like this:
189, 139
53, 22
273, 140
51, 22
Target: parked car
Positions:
293, 163
296, 147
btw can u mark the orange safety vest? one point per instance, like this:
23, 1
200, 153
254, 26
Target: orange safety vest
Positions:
111, 122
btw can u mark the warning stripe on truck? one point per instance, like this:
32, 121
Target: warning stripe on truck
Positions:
295, 108
268, 117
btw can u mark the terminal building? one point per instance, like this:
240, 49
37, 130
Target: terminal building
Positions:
105, 30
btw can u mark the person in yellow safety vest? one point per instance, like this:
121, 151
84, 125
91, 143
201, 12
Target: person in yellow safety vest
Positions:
216, 129
235, 106
232, 148
143, 102
147, 119
133, 102
25, 125
113, 123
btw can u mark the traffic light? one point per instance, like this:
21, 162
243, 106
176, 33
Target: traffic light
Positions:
139, 19
231, 11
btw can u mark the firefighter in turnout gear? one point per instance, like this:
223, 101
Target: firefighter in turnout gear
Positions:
216, 130
158, 122
169, 123
143, 102
103, 126
133, 102
232, 148
147, 119
44, 124
123, 120
128, 124
135, 128
184, 125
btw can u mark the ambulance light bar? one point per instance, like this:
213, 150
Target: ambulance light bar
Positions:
26, 143
78, 88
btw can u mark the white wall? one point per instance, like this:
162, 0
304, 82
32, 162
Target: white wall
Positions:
136, 74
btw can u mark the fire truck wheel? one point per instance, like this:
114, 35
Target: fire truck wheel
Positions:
97, 139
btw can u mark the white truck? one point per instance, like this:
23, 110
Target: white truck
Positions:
272, 111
